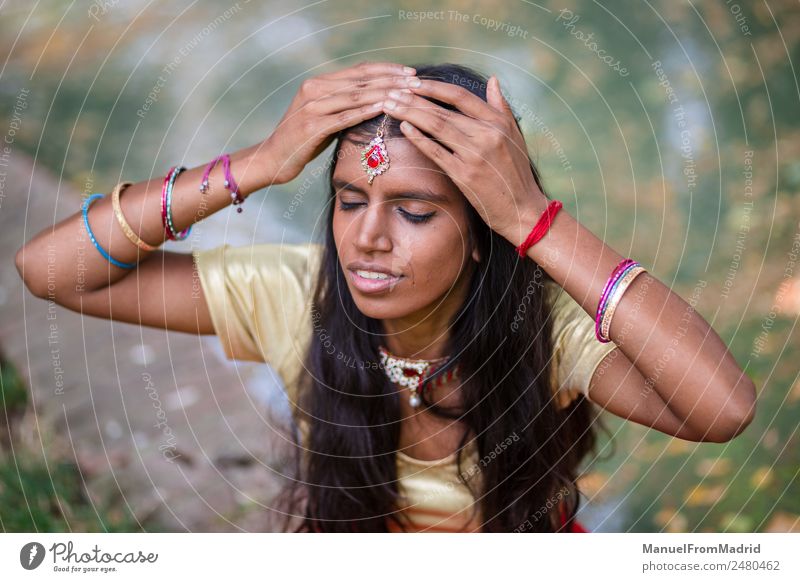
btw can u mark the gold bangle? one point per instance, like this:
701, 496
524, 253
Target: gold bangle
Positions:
126, 228
605, 324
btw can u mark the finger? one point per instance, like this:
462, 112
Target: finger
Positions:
436, 152
350, 100
316, 88
370, 69
461, 98
346, 85
335, 122
496, 99
449, 127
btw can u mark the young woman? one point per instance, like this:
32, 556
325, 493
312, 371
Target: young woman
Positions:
443, 346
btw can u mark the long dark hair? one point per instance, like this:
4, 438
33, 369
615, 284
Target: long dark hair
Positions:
348, 473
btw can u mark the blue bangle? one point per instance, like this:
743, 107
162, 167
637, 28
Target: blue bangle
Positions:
170, 184
101, 250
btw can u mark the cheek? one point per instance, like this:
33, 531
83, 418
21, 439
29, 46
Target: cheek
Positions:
438, 258
339, 227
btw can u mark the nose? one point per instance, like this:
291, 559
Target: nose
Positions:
372, 230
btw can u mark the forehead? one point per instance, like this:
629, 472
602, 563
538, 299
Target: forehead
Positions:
408, 168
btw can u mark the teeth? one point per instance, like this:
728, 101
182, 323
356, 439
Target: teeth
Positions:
372, 275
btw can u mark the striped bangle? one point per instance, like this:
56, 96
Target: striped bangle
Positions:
101, 250
166, 205
615, 275
618, 292
126, 228
615, 283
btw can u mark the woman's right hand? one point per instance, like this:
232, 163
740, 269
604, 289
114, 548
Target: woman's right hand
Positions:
325, 105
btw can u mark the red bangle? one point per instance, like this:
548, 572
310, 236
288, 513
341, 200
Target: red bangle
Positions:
540, 228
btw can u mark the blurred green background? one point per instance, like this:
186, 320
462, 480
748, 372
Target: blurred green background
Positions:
670, 129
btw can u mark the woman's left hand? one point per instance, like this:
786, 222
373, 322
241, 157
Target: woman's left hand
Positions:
487, 157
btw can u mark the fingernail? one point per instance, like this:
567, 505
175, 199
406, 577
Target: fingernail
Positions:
414, 82
394, 94
377, 105
409, 70
390, 104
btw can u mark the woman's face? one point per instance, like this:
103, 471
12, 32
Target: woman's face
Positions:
402, 241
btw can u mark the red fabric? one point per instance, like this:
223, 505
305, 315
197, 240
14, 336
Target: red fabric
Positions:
578, 528
576, 525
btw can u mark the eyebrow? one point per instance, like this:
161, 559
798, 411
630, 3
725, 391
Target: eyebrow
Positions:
424, 194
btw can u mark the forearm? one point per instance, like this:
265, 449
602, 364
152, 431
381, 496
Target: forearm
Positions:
680, 356
63, 260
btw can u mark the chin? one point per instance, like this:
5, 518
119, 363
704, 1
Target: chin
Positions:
382, 307
393, 304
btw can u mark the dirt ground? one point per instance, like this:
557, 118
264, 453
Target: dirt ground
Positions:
162, 423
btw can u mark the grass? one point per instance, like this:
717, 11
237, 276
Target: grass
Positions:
743, 485
51, 498
44, 495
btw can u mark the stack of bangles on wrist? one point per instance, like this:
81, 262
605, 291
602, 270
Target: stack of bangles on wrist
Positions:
166, 208
619, 281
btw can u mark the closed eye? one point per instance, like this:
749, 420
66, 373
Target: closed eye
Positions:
410, 216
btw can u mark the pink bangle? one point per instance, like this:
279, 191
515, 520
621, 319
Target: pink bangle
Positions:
615, 275
614, 300
164, 204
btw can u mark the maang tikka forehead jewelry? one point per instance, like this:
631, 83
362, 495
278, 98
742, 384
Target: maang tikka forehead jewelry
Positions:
374, 157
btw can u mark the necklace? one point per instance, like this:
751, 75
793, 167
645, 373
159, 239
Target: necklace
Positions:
413, 373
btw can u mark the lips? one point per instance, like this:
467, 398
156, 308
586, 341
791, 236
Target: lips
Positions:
372, 278
372, 267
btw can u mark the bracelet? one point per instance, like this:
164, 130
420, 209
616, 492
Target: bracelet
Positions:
126, 228
101, 250
624, 283
615, 281
611, 295
166, 205
230, 183
540, 228
615, 275
210, 166
176, 235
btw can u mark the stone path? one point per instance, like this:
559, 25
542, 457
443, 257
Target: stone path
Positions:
161, 422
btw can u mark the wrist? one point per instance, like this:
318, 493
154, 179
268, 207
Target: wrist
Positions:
551, 249
250, 169
526, 220
265, 159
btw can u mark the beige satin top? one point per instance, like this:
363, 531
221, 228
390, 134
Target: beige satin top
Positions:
259, 299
